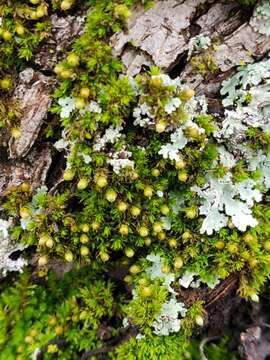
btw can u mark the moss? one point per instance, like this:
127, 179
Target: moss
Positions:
259, 139
146, 306
247, 2
109, 217
70, 309
204, 63
152, 347
22, 30
173, 347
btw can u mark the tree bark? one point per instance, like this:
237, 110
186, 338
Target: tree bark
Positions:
160, 36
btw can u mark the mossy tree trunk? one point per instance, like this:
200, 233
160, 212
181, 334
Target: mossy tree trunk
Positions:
162, 36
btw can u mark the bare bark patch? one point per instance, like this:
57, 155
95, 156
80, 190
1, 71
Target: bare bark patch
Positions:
33, 93
64, 31
161, 32
32, 169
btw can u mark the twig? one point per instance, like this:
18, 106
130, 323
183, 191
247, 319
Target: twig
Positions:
202, 345
61, 343
112, 344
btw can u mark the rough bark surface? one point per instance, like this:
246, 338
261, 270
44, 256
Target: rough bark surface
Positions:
162, 32
32, 169
255, 344
33, 94
161, 37
64, 31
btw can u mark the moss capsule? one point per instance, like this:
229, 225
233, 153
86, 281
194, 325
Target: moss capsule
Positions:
82, 184
178, 262
85, 92
66, 5
182, 176
43, 260
135, 269
129, 252
101, 181
157, 227
135, 211
69, 175
124, 230
84, 239
146, 291
122, 206
164, 209
148, 191
73, 60
69, 256
143, 231
111, 195
84, 250
16, 133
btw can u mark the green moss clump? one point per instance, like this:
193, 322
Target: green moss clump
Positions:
247, 2
70, 310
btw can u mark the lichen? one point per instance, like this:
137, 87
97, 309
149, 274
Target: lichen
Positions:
7, 248
220, 201
261, 19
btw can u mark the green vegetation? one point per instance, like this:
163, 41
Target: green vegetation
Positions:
70, 309
204, 64
142, 155
172, 347
247, 2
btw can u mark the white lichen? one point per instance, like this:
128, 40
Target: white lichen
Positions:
168, 320
166, 222
198, 43
247, 93
61, 144
120, 160
221, 199
226, 158
7, 247
260, 20
93, 106
186, 279
67, 106
160, 193
192, 279
155, 271
36, 353
260, 161
177, 201
143, 115
178, 141
237, 87
86, 158
232, 125
111, 135
172, 105
168, 81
